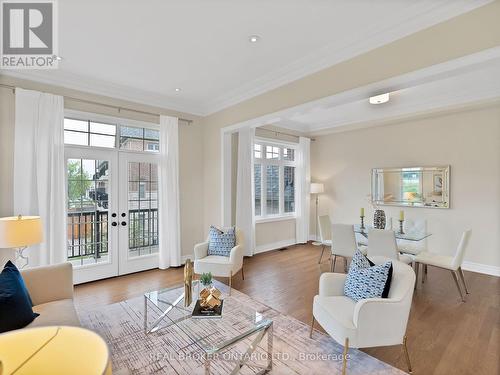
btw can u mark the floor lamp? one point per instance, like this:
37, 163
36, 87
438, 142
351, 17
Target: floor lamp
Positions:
317, 189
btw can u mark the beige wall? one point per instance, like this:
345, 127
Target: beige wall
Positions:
274, 235
460, 36
469, 141
190, 152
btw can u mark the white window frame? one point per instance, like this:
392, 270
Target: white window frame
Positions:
111, 120
281, 163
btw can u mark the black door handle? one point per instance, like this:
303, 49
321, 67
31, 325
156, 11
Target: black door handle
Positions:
114, 223
124, 223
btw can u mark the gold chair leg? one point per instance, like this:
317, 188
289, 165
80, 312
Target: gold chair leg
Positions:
312, 327
407, 356
344, 356
230, 282
454, 274
461, 273
242, 273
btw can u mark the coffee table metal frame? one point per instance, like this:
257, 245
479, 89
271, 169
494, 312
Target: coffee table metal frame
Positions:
263, 327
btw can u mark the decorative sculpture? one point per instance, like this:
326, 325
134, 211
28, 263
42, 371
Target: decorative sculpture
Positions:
188, 283
210, 298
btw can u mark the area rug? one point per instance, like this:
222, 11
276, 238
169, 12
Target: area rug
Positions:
169, 351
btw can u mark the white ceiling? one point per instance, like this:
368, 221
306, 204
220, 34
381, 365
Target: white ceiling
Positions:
467, 80
142, 51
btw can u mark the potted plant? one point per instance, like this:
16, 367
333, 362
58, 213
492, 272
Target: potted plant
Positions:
206, 279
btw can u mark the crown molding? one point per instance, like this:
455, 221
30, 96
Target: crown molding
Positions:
112, 90
331, 55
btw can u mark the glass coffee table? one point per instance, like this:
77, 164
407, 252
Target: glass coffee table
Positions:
214, 336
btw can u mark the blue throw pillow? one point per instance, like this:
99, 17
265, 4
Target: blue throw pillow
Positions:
220, 242
15, 303
367, 280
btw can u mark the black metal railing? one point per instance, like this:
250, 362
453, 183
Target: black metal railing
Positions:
88, 231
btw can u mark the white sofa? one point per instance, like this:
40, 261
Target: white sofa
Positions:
217, 265
369, 322
51, 290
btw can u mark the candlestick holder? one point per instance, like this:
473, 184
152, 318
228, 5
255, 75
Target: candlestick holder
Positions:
401, 231
362, 222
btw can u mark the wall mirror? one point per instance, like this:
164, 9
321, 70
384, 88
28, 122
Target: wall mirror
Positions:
412, 186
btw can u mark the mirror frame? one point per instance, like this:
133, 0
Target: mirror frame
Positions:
445, 190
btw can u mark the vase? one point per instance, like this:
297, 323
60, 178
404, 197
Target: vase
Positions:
379, 219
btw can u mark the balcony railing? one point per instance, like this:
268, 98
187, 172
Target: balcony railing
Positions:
87, 233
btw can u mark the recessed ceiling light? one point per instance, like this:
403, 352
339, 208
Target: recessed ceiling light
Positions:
379, 99
253, 38
177, 89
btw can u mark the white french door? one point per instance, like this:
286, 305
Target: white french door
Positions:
112, 212
138, 202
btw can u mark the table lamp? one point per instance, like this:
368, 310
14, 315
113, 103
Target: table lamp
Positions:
317, 188
19, 232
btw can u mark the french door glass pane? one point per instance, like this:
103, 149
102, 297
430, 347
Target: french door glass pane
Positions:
87, 221
142, 208
273, 190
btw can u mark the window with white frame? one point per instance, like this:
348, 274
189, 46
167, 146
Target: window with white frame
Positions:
274, 179
97, 134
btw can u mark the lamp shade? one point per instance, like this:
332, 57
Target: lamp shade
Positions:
317, 188
20, 231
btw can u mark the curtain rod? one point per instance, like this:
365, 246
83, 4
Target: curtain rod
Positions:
13, 88
286, 134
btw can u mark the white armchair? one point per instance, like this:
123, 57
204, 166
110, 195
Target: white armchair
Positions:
217, 265
370, 322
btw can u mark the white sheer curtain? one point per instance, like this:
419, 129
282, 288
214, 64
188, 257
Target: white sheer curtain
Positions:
168, 187
302, 195
39, 170
245, 217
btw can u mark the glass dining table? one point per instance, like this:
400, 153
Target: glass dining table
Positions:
407, 236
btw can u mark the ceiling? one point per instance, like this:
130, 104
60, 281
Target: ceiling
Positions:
468, 80
142, 51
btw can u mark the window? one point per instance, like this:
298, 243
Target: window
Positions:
289, 193
89, 133
139, 139
97, 134
274, 179
258, 192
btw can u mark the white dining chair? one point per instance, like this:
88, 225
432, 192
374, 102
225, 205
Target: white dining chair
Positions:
343, 243
325, 233
363, 241
451, 263
382, 242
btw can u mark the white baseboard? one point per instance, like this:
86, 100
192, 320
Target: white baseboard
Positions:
481, 268
274, 246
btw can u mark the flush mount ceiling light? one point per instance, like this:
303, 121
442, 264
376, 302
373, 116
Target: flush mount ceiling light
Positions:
379, 99
177, 89
253, 38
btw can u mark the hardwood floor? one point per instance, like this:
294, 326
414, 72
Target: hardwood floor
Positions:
445, 336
